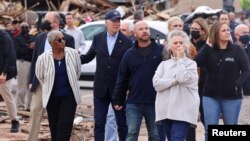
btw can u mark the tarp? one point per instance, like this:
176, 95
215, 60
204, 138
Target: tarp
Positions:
202, 11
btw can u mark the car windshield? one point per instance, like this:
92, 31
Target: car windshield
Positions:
90, 31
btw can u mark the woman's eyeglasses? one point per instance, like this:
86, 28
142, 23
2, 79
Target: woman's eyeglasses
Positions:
60, 40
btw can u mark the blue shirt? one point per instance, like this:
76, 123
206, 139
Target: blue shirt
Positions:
61, 83
111, 41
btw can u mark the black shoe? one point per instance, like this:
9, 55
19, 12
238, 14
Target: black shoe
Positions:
14, 126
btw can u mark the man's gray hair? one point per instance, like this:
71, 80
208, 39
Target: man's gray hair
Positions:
130, 25
167, 50
52, 35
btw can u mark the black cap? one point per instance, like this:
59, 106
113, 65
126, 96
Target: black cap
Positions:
112, 15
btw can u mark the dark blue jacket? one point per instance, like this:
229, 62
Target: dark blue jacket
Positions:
227, 70
246, 86
106, 65
7, 55
135, 75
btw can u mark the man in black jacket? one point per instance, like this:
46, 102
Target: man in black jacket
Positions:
108, 47
7, 72
41, 45
24, 43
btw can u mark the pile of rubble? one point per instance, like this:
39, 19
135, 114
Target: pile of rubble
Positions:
95, 9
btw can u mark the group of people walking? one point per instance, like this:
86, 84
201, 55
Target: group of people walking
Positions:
168, 85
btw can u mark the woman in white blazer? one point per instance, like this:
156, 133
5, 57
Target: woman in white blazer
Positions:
58, 71
176, 83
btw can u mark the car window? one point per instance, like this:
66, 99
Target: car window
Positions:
90, 31
155, 34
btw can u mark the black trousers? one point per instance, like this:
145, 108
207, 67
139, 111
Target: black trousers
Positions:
61, 113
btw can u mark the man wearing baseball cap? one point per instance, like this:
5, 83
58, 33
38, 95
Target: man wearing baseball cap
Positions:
108, 47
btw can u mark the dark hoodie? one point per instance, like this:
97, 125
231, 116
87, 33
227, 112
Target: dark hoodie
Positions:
7, 55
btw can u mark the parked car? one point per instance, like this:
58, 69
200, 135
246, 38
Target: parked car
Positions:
158, 31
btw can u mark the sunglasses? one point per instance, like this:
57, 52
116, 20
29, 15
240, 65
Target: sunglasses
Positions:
60, 40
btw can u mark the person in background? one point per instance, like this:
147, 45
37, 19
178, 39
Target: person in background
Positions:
138, 15
127, 28
16, 28
232, 20
242, 35
61, 94
211, 20
8, 71
242, 19
76, 33
42, 45
108, 47
24, 43
198, 35
9, 28
135, 77
175, 23
224, 18
176, 81
227, 70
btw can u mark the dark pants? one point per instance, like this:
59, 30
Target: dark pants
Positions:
61, 112
101, 106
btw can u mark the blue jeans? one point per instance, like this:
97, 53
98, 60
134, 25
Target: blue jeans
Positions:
135, 114
111, 127
173, 130
101, 106
228, 108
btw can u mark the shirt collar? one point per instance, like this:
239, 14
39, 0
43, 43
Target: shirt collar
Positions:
112, 36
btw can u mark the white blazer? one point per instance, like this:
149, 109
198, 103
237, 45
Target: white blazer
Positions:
45, 72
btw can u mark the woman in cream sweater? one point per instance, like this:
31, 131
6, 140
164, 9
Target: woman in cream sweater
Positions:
176, 83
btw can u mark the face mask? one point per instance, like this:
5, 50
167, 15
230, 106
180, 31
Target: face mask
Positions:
46, 25
24, 30
244, 39
195, 34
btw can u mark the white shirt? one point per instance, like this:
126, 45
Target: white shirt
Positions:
47, 45
78, 38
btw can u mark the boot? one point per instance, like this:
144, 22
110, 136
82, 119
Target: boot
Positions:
14, 126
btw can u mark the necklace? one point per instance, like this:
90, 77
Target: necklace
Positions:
59, 63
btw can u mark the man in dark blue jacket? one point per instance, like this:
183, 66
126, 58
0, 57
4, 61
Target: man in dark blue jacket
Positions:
135, 76
108, 47
8, 71
242, 35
